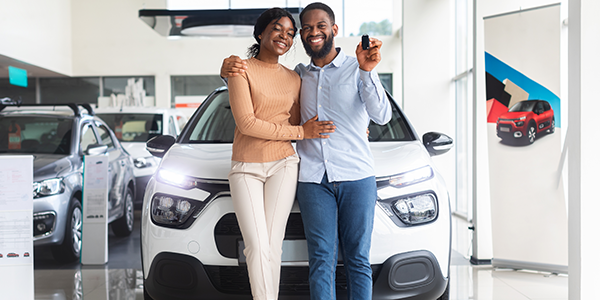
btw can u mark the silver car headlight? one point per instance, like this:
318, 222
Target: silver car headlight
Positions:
417, 209
144, 162
411, 177
48, 187
174, 211
174, 179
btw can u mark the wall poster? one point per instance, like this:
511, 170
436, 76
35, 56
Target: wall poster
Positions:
522, 63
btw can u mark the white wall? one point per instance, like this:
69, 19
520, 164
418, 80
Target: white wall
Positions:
37, 32
110, 40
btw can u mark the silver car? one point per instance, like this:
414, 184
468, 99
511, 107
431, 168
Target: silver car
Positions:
58, 137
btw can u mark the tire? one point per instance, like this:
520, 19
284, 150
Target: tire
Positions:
446, 294
531, 132
70, 249
146, 295
551, 130
124, 225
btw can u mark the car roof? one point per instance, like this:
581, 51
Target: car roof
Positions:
54, 109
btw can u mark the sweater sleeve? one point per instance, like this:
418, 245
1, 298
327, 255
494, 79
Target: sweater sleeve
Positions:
242, 109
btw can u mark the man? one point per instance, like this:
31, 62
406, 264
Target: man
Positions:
336, 189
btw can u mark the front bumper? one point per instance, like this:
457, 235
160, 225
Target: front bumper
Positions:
414, 275
509, 131
55, 207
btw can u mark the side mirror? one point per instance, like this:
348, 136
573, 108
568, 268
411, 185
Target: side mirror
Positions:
437, 143
95, 149
159, 145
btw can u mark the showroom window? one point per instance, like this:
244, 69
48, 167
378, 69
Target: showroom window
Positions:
117, 85
193, 88
69, 90
463, 83
25, 94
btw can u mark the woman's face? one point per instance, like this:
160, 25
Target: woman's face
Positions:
278, 37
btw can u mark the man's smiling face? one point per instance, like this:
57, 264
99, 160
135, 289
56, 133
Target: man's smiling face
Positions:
317, 33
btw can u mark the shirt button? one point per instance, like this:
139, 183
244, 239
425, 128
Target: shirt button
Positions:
324, 143
319, 87
325, 160
319, 105
322, 70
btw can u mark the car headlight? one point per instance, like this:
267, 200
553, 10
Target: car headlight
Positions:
178, 180
174, 211
416, 209
143, 162
48, 187
411, 177
519, 124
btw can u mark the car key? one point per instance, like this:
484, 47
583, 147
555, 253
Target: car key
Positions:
365, 42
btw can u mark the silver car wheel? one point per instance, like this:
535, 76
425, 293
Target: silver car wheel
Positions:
531, 134
129, 211
76, 229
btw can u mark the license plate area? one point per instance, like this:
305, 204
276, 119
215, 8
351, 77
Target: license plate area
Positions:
504, 129
294, 251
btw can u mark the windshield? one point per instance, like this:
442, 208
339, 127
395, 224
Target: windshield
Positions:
215, 124
523, 106
45, 135
134, 127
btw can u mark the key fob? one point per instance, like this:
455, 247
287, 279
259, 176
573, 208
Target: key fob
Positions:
365, 42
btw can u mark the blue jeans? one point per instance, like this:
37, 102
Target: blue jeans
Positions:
338, 210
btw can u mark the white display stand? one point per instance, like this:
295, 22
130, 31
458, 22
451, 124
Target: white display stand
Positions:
94, 247
16, 229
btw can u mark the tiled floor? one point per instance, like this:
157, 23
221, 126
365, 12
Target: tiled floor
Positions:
121, 278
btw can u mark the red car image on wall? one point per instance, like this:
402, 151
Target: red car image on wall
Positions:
524, 121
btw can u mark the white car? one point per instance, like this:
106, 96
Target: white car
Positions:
192, 246
134, 126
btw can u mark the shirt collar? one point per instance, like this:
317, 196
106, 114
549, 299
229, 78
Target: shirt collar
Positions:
337, 61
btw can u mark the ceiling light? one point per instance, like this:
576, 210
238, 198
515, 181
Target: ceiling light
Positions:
211, 23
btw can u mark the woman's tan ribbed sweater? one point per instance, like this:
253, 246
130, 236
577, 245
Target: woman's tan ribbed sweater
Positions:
265, 102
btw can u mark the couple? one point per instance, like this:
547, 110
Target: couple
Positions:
333, 177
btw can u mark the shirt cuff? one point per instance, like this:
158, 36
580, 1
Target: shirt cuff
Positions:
367, 77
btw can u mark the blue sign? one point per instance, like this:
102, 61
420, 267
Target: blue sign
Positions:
17, 76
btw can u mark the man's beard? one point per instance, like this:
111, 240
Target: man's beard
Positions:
327, 45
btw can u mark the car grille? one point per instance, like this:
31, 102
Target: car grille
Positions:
227, 233
509, 127
234, 279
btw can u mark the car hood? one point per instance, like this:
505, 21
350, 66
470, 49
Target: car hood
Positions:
514, 114
210, 161
392, 158
215, 159
136, 149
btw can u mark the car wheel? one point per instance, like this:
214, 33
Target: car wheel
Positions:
446, 294
146, 295
124, 225
551, 130
531, 132
70, 249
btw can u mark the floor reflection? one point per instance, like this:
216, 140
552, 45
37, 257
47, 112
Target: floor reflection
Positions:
467, 282
89, 284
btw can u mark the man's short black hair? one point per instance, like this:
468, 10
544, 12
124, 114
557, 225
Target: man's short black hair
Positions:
318, 5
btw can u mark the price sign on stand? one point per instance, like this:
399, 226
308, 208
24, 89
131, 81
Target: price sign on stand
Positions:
94, 247
16, 227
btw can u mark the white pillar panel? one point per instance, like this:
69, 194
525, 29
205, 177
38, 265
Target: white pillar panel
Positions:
584, 164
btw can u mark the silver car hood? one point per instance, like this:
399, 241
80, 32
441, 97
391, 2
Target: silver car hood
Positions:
213, 161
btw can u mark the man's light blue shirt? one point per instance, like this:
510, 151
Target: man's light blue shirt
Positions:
350, 97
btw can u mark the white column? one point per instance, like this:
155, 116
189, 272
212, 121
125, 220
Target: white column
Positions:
584, 204
482, 236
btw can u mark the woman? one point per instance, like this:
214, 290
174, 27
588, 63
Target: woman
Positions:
264, 169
